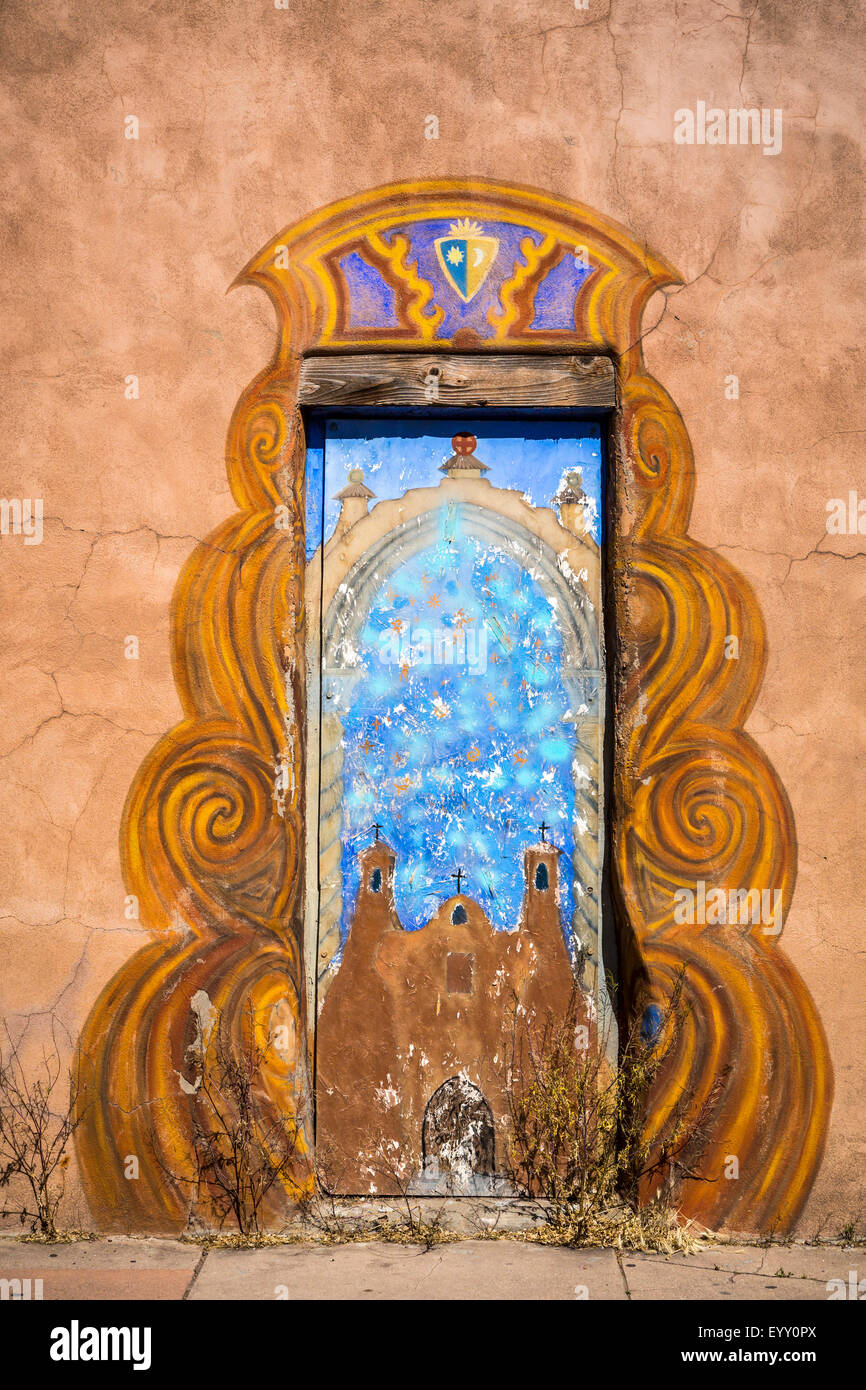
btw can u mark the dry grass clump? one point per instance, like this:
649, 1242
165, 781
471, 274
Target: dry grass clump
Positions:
578, 1135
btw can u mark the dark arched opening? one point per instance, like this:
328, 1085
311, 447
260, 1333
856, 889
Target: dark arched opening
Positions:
458, 1138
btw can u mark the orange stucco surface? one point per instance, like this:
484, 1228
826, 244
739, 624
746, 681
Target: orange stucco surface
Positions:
118, 252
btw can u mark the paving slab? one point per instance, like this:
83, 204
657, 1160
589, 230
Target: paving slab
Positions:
104, 1285
821, 1262
476, 1270
119, 1268
142, 1268
658, 1277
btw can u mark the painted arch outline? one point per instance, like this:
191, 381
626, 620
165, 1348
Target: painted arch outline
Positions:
212, 839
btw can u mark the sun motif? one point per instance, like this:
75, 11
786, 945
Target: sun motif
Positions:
464, 226
454, 255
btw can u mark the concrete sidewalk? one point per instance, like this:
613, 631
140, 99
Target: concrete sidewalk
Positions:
130, 1268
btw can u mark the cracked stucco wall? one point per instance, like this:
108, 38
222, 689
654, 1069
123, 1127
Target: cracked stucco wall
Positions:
117, 255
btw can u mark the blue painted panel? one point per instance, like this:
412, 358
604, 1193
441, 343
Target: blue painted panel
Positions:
533, 458
555, 296
456, 742
372, 302
458, 732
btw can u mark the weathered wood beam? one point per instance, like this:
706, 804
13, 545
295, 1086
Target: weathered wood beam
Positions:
464, 380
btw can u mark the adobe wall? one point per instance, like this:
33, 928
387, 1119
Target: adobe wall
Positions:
118, 253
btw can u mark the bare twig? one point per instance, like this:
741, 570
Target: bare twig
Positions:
38, 1115
578, 1124
237, 1159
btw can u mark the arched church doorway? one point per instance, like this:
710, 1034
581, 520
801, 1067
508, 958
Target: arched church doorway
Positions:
458, 1141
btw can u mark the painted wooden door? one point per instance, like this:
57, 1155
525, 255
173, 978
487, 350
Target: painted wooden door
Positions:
456, 732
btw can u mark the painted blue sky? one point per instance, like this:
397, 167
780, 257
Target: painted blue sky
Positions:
397, 455
458, 739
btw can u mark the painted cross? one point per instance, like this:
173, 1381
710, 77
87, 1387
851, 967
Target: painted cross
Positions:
376, 827
459, 875
543, 828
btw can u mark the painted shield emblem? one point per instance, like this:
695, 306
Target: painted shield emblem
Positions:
466, 256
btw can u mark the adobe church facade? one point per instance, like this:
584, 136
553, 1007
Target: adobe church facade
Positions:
416, 1034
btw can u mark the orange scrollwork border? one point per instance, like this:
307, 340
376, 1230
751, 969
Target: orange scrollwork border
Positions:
213, 830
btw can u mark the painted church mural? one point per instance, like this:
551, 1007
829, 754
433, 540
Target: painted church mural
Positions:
385, 799
461, 699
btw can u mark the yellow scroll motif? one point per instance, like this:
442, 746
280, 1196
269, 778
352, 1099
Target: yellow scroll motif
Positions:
212, 836
406, 271
533, 257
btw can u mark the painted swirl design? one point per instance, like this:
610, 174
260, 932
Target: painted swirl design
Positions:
211, 843
212, 839
701, 803
212, 817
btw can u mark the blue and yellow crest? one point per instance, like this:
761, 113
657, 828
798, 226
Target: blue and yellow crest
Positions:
466, 256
